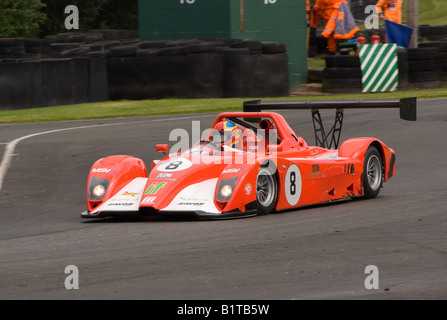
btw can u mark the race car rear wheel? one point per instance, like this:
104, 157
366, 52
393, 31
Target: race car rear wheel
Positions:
372, 173
266, 190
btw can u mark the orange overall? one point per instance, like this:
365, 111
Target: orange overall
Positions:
329, 11
392, 9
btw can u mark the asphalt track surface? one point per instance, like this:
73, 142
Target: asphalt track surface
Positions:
318, 252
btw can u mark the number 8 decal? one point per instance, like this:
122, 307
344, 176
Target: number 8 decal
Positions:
177, 164
293, 185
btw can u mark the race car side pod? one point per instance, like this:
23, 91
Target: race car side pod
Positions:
407, 107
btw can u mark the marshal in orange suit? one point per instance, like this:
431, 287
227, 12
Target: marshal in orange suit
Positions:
391, 9
334, 12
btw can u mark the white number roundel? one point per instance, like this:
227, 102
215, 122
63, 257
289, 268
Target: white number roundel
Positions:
293, 185
177, 164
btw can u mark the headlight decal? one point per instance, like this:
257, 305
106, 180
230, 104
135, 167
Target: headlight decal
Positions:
97, 188
225, 189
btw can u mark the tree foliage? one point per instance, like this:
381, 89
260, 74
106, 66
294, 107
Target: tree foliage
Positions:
21, 18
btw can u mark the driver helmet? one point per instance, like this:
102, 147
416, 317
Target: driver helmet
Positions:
229, 133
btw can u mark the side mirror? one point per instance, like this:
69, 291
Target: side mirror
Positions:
161, 148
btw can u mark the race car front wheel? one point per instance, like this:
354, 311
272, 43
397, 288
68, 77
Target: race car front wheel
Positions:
372, 173
266, 191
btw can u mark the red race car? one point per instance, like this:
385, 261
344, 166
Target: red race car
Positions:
249, 163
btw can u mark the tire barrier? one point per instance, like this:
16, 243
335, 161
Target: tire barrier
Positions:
442, 46
402, 58
51, 82
433, 33
342, 74
19, 87
180, 76
256, 75
76, 68
423, 67
211, 68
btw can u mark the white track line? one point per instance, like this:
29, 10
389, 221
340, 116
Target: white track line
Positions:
10, 146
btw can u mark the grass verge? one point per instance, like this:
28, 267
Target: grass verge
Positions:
142, 108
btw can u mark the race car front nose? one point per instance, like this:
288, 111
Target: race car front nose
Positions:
225, 189
97, 188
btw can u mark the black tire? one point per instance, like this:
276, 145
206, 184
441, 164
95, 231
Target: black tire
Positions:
330, 73
443, 76
200, 48
266, 189
372, 173
274, 47
11, 42
312, 51
147, 52
252, 45
423, 76
425, 84
172, 51
423, 53
421, 65
334, 83
236, 51
433, 31
152, 44
441, 45
402, 58
351, 61
342, 90
104, 45
59, 47
123, 51
35, 49
77, 52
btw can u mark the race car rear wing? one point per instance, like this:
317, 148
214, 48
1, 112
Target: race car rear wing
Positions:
407, 107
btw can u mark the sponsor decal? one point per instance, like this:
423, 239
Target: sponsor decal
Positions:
233, 170
122, 204
164, 175
315, 171
191, 203
130, 194
155, 187
103, 170
248, 189
148, 200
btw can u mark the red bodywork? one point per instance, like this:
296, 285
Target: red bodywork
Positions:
188, 182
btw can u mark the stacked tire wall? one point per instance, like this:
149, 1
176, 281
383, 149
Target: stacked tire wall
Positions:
40, 72
198, 69
342, 74
442, 47
52, 82
76, 68
423, 67
402, 60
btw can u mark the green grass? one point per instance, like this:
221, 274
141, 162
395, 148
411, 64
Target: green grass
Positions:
141, 108
433, 12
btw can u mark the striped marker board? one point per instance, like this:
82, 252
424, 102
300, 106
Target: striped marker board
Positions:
379, 65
